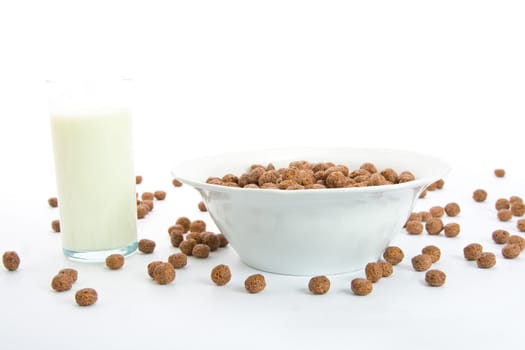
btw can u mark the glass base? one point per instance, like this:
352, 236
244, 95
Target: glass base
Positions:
99, 255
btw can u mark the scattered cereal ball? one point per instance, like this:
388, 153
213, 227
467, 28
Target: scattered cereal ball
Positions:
373, 272
511, 251
53, 202
221, 274
142, 211
197, 236
415, 217
184, 222
500, 236
86, 297
502, 203
393, 255
152, 266
255, 283
486, 260
198, 226
423, 194
499, 172
72, 274
425, 216
159, 195
435, 278
406, 176
479, 195
115, 261
176, 239
147, 246
319, 285
11, 261
201, 251
434, 226
164, 273
211, 240
186, 246
202, 206
504, 214
518, 240
178, 260
414, 227
61, 283
361, 286
517, 209
432, 186
473, 251
437, 211
433, 251
386, 268
440, 183
421, 262
147, 195
148, 203
335, 179
515, 199
452, 209
176, 229
452, 229
55, 225
176, 183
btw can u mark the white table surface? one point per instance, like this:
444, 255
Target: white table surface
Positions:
213, 76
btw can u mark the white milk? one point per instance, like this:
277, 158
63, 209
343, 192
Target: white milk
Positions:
95, 180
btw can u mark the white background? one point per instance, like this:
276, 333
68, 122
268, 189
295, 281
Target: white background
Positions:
444, 77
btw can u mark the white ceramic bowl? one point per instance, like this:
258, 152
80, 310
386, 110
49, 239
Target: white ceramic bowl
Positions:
310, 232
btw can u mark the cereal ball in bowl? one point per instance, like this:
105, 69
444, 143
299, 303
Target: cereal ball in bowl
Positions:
297, 224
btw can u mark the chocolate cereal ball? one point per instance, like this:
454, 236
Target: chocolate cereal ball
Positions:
511, 251
115, 261
499, 172
255, 283
452, 209
515, 199
61, 283
211, 240
198, 226
176, 239
72, 274
201, 251
486, 260
393, 255
11, 260
178, 260
177, 228
159, 195
502, 203
433, 251
451, 229
53, 202
521, 225
421, 262
435, 278
504, 214
152, 266
500, 236
361, 286
184, 222
319, 285
437, 211
479, 195
434, 226
55, 225
387, 268
373, 272
518, 240
146, 246
221, 274
223, 241
202, 206
138, 179
335, 179
176, 183
186, 246
164, 273
414, 227
86, 297
473, 251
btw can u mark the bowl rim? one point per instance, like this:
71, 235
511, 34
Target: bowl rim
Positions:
423, 181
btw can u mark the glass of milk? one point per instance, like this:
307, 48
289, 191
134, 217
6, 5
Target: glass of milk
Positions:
91, 128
